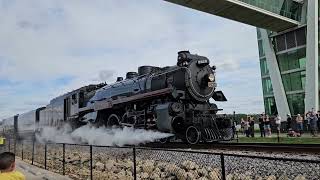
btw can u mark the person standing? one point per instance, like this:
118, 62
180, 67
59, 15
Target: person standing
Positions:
242, 125
251, 124
313, 123
246, 127
278, 122
299, 121
267, 126
289, 122
261, 125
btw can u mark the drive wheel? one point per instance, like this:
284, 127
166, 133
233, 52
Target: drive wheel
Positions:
192, 135
113, 121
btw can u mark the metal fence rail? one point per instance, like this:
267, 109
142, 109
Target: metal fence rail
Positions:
105, 162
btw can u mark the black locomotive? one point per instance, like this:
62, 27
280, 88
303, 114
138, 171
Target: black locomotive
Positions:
171, 99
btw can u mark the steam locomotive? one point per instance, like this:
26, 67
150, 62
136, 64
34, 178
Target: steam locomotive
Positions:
173, 99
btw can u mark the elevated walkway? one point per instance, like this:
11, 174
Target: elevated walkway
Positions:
242, 12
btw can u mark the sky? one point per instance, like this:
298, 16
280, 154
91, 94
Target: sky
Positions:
51, 47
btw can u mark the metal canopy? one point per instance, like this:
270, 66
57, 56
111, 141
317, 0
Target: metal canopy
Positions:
241, 12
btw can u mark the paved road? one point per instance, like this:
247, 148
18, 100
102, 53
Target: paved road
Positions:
34, 173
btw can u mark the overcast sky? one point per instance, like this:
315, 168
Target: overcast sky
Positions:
50, 47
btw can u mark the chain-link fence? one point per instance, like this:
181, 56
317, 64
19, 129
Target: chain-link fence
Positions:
77, 161
39, 155
103, 162
26, 150
54, 160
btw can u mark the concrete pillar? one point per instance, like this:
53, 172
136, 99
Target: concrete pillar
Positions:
275, 76
312, 92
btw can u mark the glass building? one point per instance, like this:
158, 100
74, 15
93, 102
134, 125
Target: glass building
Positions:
290, 47
287, 35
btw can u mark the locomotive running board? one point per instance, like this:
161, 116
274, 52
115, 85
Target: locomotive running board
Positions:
107, 104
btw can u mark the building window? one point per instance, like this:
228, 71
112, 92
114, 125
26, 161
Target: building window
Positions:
264, 67
283, 62
286, 82
295, 59
281, 43
302, 57
301, 36
294, 81
258, 33
270, 106
293, 62
261, 50
291, 39
267, 86
296, 103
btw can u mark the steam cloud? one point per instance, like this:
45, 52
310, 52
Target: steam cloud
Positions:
99, 136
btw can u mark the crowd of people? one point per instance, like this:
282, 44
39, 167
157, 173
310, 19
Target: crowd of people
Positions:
247, 125
294, 126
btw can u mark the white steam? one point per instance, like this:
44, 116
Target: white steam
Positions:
99, 136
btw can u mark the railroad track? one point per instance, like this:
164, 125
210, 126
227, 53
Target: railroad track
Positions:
263, 147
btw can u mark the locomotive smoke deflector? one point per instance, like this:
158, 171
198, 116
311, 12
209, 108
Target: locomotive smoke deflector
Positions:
219, 96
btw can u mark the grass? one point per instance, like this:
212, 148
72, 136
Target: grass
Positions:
305, 139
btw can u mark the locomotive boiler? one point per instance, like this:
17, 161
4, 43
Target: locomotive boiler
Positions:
175, 99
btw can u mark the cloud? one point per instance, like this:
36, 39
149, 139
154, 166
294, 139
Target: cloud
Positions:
228, 65
106, 75
51, 47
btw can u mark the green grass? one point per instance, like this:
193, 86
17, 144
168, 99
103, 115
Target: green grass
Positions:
305, 139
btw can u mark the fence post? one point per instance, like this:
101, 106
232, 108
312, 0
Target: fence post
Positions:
278, 135
91, 166
237, 136
15, 145
33, 143
134, 164
223, 169
45, 156
9, 143
22, 150
63, 158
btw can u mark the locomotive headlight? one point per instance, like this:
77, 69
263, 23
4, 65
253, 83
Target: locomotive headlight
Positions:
208, 81
211, 77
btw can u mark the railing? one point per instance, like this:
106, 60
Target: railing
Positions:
105, 162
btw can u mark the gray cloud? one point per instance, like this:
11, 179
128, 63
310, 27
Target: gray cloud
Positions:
35, 103
106, 75
39, 40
